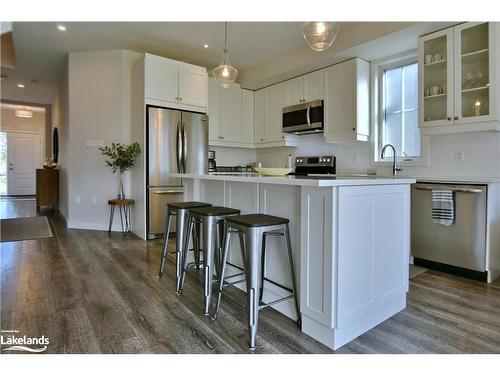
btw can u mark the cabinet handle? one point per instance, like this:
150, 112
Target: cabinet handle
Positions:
222, 137
176, 98
262, 139
449, 118
353, 129
282, 137
180, 99
456, 117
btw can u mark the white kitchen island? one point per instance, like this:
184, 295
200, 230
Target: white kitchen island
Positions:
350, 239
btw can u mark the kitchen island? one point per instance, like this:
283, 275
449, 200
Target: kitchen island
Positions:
350, 239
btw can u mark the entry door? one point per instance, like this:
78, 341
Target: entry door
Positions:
23, 158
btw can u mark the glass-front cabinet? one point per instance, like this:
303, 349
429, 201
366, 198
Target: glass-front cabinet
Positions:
436, 78
472, 72
459, 72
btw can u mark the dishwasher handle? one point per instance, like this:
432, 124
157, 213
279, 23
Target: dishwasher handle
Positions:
455, 190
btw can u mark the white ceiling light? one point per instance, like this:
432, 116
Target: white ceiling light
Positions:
225, 74
23, 113
205, 45
20, 85
61, 28
320, 35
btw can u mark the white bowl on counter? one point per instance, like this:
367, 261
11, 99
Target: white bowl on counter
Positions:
273, 171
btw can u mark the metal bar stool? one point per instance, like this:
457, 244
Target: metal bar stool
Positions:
211, 219
179, 209
255, 228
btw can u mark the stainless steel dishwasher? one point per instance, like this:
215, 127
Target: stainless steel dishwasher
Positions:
459, 248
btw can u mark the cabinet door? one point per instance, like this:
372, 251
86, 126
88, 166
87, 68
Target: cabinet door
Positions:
213, 110
474, 60
295, 91
193, 86
340, 104
313, 86
230, 114
260, 116
247, 113
435, 64
275, 101
358, 253
162, 79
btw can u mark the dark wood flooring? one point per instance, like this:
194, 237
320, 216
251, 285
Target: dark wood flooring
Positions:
90, 293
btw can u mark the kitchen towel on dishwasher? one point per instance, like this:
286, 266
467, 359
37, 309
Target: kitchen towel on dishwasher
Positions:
443, 207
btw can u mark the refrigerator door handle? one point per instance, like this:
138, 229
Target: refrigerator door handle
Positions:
184, 146
179, 148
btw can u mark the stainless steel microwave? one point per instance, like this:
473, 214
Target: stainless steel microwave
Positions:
304, 118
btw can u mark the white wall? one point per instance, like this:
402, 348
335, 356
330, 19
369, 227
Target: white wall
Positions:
98, 109
232, 156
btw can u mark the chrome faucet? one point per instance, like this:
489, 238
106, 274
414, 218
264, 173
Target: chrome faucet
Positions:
395, 168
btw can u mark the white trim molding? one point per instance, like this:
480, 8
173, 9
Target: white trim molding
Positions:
377, 71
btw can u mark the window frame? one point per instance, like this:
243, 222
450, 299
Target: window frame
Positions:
378, 69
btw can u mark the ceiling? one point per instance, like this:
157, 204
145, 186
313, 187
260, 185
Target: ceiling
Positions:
263, 51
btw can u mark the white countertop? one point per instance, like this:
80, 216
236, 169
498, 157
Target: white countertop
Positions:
304, 180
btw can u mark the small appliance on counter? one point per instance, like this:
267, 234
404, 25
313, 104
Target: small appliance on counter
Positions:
212, 165
312, 165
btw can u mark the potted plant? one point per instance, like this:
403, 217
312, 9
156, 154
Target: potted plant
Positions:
121, 159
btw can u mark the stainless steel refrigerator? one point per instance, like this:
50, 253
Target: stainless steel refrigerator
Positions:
177, 143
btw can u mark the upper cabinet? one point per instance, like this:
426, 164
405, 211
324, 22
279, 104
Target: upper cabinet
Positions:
459, 79
347, 101
305, 88
230, 116
175, 84
269, 103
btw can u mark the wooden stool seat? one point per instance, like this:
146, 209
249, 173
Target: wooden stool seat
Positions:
120, 202
123, 204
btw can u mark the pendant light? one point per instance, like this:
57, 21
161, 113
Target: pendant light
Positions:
225, 74
320, 35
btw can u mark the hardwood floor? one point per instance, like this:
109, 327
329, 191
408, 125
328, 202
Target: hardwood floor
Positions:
90, 293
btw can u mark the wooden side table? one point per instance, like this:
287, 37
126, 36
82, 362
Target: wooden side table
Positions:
46, 187
125, 206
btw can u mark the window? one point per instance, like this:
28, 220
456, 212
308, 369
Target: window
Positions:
398, 121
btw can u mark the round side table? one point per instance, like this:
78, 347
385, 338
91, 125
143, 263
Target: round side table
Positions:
124, 205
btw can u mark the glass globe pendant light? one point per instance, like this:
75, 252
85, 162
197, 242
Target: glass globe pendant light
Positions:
320, 35
225, 74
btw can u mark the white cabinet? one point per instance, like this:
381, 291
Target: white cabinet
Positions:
260, 116
373, 249
347, 101
269, 103
247, 117
162, 81
175, 84
192, 86
213, 111
275, 101
459, 79
230, 113
305, 88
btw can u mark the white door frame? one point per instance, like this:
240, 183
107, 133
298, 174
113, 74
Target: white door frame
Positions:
42, 149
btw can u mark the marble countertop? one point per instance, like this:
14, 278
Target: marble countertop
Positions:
332, 180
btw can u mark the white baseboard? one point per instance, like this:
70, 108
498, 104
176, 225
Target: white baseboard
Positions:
72, 224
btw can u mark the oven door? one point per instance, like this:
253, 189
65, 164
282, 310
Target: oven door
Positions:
303, 118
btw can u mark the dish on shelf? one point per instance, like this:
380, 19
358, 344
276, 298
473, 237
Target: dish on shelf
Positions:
273, 171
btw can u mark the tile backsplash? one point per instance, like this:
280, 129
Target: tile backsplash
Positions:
456, 155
